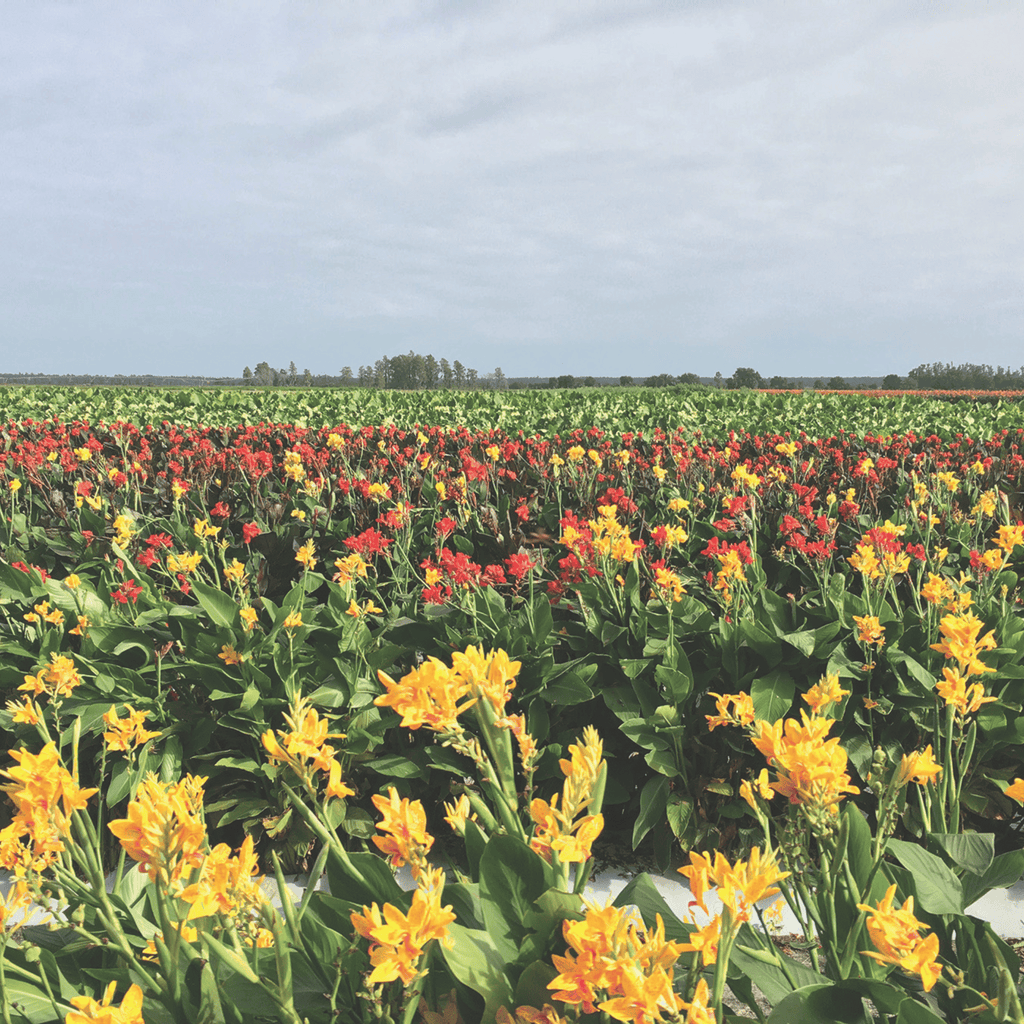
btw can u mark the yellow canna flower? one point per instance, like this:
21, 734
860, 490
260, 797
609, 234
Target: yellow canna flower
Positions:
1016, 791
826, 691
397, 940
248, 616
230, 656
742, 710
88, 1011
870, 630
896, 936
163, 830
306, 555
126, 733
920, 766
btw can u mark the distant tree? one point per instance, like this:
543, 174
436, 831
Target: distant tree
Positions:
687, 378
447, 374
837, 384
459, 374
625, 380
307, 378
779, 382
589, 382
346, 380
472, 378
264, 375
719, 380
818, 385
247, 375
499, 379
892, 382
661, 380
293, 372
366, 379
566, 380
745, 377
431, 372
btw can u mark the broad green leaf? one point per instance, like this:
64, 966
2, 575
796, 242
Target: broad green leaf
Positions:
474, 960
938, 890
642, 893
772, 695
653, 801
820, 1004
221, 607
972, 851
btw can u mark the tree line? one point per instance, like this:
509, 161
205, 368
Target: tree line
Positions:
414, 372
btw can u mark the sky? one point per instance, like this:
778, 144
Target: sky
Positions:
596, 187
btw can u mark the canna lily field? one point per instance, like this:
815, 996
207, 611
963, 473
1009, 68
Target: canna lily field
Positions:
788, 666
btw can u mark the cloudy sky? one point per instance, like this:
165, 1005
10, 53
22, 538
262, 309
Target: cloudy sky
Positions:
545, 186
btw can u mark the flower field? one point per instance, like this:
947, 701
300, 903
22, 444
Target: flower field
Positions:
788, 661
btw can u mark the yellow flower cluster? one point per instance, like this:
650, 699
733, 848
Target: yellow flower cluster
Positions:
739, 886
811, 770
45, 794
126, 733
962, 643
616, 965
397, 940
431, 694
41, 612
609, 537
561, 828
164, 831
293, 468
303, 747
88, 1011
405, 839
57, 679
896, 935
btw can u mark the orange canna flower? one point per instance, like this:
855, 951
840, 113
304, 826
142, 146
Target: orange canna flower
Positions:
953, 689
705, 941
811, 769
428, 695
306, 556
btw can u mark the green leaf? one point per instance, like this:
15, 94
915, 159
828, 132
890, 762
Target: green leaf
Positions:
913, 1012
820, 1004
221, 607
653, 802
512, 876
972, 851
804, 641
398, 767
170, 762
1005, 869
642, 893
475, 961
772, 695
938, 890
532, 987
678, 683
33, 1003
